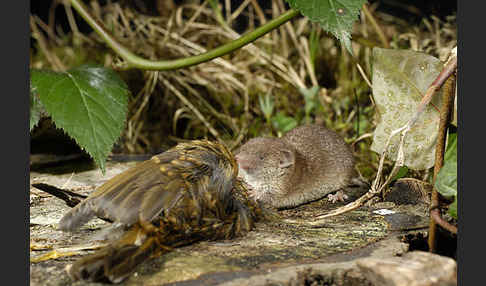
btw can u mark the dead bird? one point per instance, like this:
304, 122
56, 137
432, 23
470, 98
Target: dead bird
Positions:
184, 195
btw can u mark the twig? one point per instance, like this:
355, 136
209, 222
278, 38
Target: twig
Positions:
227, 5
48, 29
52, 14
51, 58
193, 17
363, 136
238, 10
72, 23
445, 114
259, 11
70, 17
434, 215
362, 73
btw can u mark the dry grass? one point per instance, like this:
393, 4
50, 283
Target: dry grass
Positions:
219, 99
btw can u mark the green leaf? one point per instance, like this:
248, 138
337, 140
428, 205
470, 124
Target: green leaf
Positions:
400, 78
451, 151
446, 182
283, 123
401, 173
334, 16
88, 102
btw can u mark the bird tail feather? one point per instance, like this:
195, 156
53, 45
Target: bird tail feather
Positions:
115, 262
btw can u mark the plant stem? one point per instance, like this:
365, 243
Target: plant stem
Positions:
445, 115
134, 61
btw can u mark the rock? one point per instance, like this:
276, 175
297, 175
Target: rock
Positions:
416, 268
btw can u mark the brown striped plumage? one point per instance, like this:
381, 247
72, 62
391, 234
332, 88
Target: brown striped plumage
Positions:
181, 196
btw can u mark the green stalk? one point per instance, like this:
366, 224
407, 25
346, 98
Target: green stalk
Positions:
134, 61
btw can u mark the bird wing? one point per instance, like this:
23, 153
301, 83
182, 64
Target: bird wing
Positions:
140, 193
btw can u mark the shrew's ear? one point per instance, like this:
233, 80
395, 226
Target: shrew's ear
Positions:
287, 159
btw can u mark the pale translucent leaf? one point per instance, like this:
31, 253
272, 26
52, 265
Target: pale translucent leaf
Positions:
400, 78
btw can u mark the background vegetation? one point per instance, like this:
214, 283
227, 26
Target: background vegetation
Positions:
262, 89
